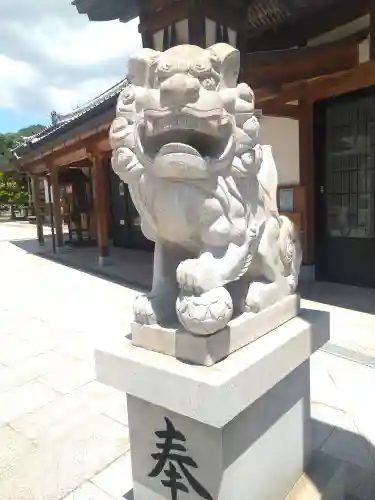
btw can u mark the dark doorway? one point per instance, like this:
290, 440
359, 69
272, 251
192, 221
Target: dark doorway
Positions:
345, 189
125, 228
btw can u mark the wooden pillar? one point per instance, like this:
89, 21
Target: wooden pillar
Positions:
56, 206
307, 172
197, 25
99, 179
35, 192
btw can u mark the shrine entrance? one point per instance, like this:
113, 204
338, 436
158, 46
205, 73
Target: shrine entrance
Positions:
345, 189
126, 223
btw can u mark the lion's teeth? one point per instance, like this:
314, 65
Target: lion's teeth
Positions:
161, 125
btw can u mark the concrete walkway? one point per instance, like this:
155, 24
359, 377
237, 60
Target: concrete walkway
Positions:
64, 436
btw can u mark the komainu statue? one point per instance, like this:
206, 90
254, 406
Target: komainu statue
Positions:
185, 139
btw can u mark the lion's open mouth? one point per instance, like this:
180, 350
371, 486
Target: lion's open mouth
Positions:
207, 138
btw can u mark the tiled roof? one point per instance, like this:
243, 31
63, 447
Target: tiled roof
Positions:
108, 10
266, 13
262, 14
64, 122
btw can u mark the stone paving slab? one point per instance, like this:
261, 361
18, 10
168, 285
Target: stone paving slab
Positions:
88, 491
116, 479
63, 435
53, 469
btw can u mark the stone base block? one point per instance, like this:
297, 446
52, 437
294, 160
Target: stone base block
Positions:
237, 430
104, 261
324, 479
268, 438
209, 349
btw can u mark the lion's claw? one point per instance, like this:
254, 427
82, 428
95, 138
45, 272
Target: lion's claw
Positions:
197, 277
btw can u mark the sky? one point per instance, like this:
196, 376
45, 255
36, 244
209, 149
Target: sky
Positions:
52, 58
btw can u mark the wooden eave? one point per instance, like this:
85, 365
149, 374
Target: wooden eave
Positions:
65, 152
310, 24
316, 89
107, 10
280, 67
269, 24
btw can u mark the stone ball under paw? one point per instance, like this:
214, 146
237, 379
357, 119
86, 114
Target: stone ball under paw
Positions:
207, 313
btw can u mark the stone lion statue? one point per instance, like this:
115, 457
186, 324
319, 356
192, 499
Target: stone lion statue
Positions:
185, 139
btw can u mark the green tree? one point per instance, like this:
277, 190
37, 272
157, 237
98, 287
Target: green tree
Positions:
31, 130
13, 186
13, 190
10, 140
7, 143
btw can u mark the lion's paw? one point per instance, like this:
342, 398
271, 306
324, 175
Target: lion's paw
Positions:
143, 311
263, 295
206, 314
196, 276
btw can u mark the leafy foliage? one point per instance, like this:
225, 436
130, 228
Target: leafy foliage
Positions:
13, 187
10, 140
13, 190
7, 143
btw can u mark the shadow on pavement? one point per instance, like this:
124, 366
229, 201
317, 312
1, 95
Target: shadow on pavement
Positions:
134, 268
120, 271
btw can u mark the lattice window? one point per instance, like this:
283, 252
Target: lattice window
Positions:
350, 168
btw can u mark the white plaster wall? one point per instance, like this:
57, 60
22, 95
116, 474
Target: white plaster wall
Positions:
283, 135
182, 31
364, 51
210, 32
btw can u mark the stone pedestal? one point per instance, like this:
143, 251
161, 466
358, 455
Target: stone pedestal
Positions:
209, 349
239, 429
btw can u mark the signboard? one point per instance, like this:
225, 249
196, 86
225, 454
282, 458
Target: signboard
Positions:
286, 200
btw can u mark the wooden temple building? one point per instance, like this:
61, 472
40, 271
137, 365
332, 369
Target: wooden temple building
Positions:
311, 64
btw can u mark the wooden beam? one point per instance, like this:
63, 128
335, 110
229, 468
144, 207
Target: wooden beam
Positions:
313, 23
283, 110
154, 21
151, 6
37, 169
73, 157
62, 149
360, 77
277, 96
232, 14
300, 64
197, 25
372, 32
155, 18
104, 145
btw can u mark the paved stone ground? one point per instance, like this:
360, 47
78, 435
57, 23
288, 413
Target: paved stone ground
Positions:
64, 436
